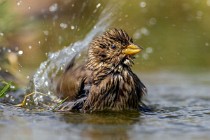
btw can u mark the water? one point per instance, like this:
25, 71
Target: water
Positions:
181, 111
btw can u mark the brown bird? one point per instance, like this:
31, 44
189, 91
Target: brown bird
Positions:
105, 81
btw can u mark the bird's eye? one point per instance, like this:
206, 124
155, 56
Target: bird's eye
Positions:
113, 47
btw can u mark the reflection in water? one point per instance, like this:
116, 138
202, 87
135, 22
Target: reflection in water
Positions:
104, 125
182, 112
112, 118
113, 133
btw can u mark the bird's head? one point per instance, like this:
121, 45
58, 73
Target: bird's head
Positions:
114, 47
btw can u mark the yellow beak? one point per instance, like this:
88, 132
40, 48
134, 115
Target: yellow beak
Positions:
131, 49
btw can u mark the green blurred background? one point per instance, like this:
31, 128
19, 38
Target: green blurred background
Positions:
175, 34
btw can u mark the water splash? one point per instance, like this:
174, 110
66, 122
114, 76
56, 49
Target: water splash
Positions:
42, 81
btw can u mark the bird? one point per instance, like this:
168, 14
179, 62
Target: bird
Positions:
105, 81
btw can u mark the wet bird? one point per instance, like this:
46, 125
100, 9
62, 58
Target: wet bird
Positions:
105, 81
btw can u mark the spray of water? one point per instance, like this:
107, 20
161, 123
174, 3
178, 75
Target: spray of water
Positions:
56, 62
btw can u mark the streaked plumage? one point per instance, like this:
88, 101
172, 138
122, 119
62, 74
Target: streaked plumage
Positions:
105, 81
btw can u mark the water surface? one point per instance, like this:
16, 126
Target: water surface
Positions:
181, 111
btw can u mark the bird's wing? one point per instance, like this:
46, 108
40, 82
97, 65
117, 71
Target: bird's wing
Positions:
140, 87
71, 83
141, 90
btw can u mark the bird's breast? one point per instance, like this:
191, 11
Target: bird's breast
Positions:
115, 91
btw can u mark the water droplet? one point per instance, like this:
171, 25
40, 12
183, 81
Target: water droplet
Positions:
20, 52
206, 44
137, 34
46, 32
63, 25
19, 3
9, 51
12, 87
53, 7
149, 50
72, 27
1, 34
143, 4
30, 47
46, 83
145, 56
98, 5
73, 49
152, 21
144, 31
29, 7
39, 42
27, 76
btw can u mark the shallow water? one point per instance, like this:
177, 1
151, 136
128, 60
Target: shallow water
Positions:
181, 111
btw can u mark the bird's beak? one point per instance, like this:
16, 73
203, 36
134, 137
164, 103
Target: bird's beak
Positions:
131, 49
